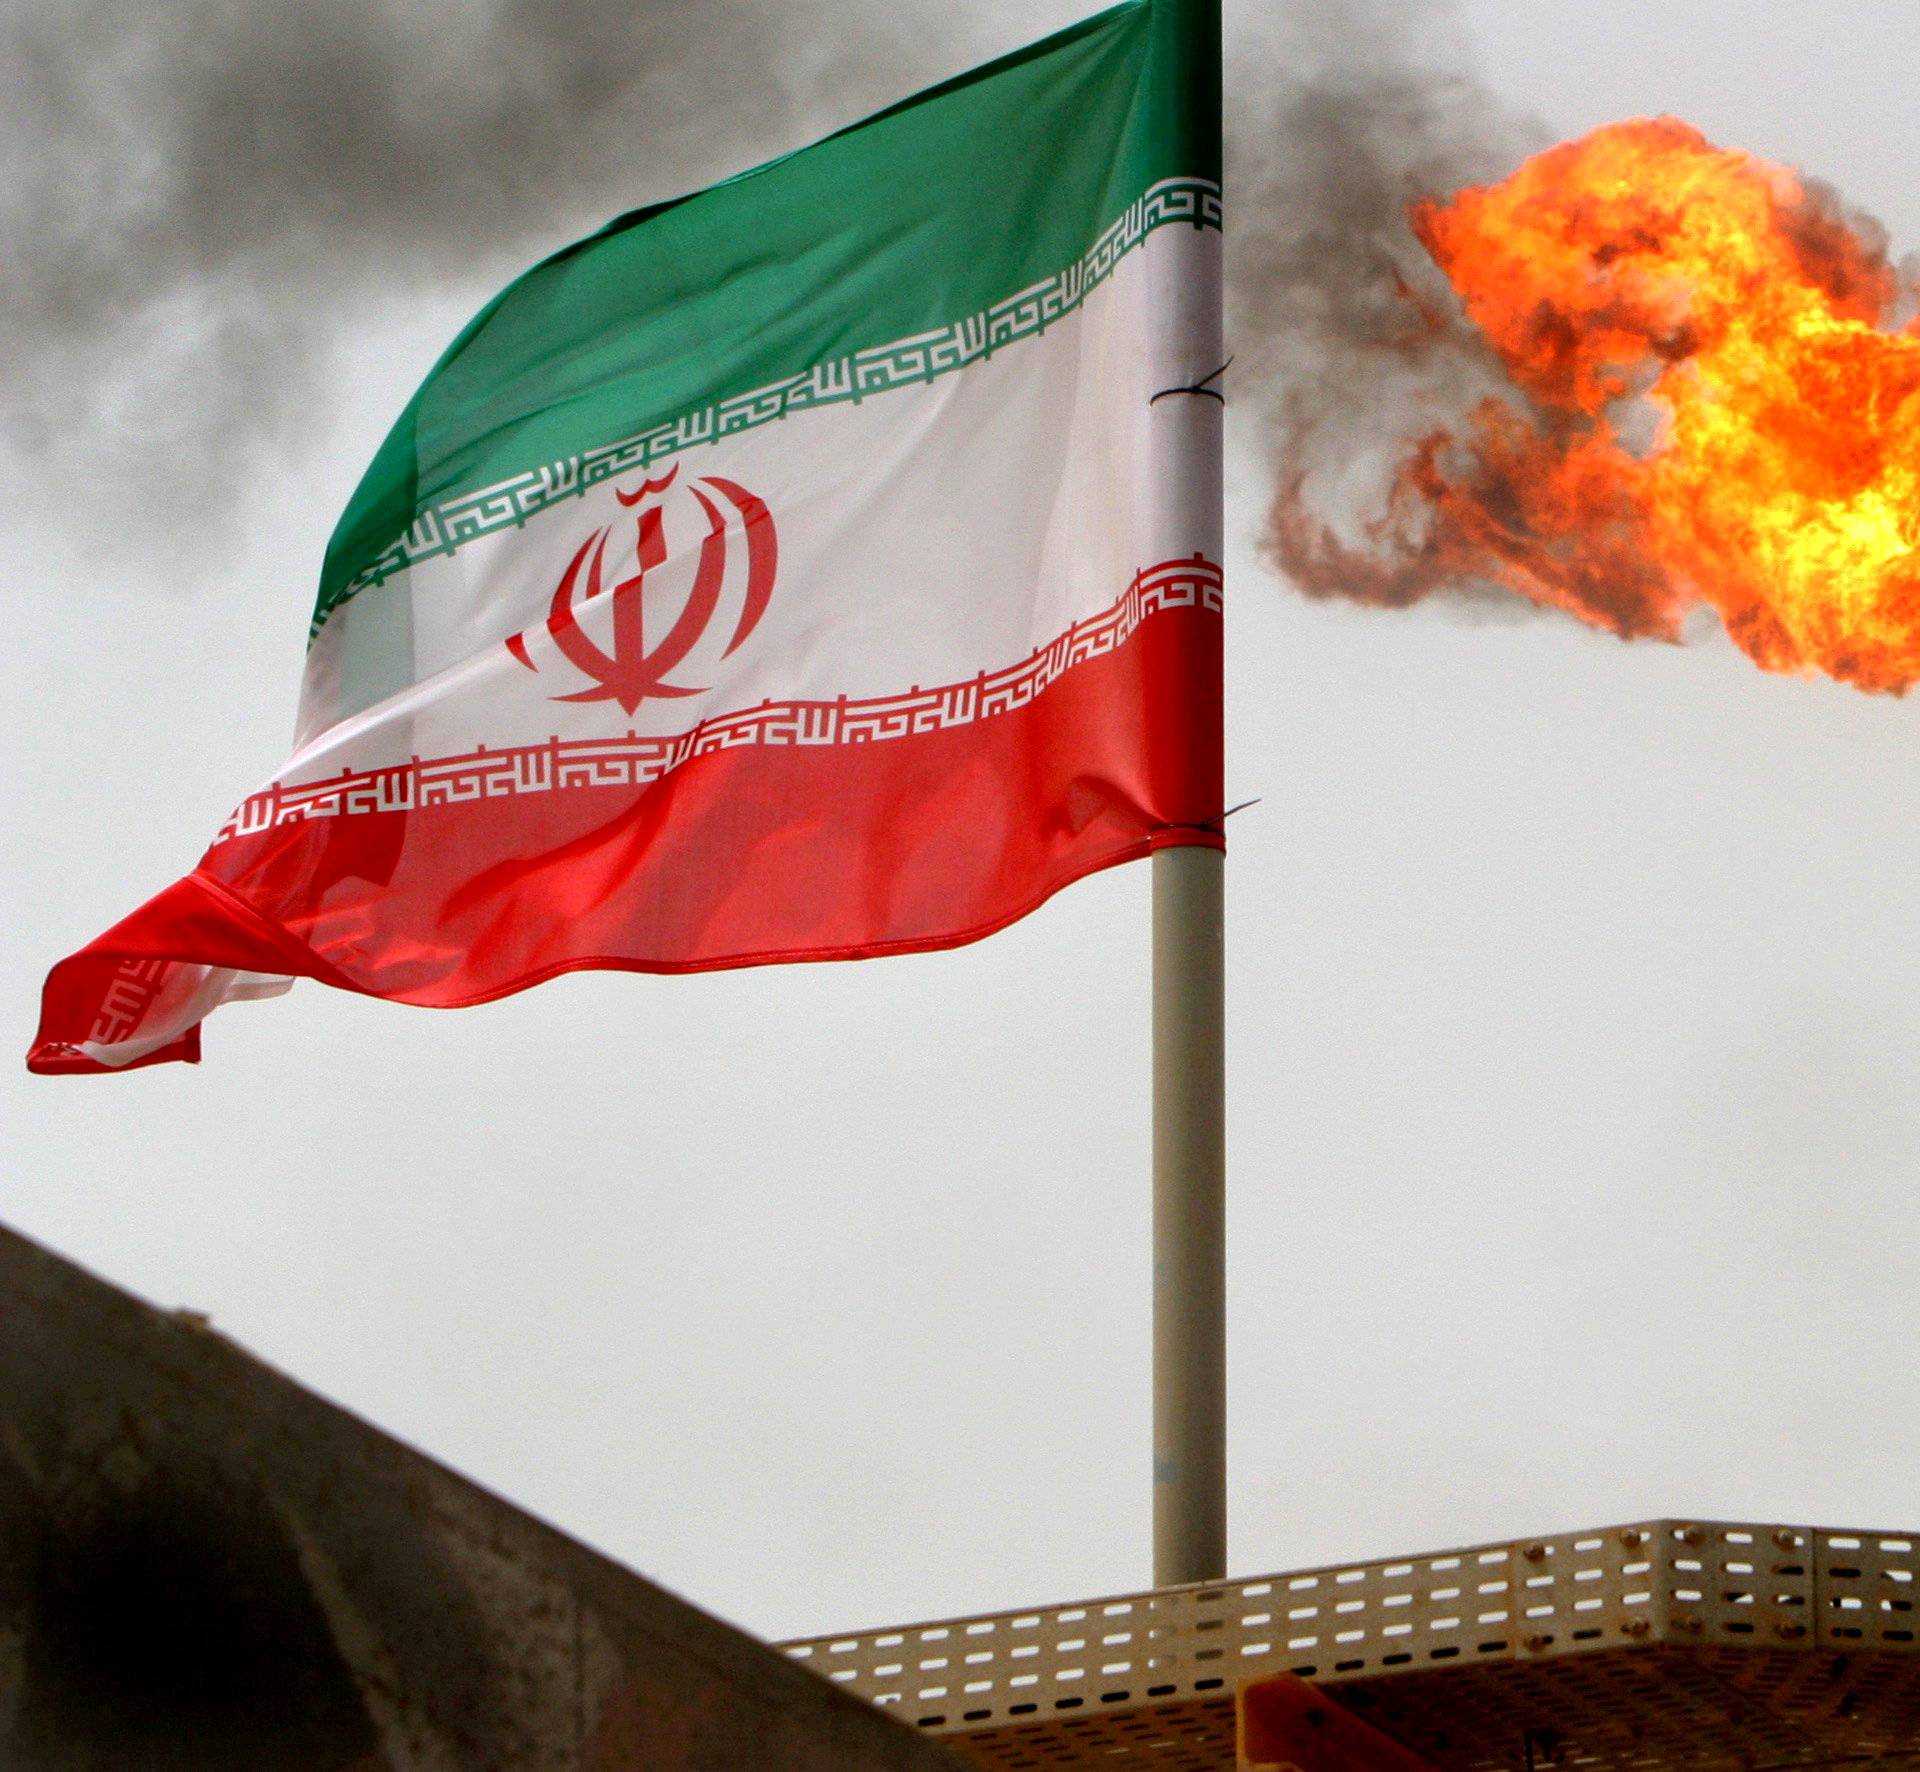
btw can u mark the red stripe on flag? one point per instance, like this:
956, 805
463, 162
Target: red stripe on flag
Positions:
736, 858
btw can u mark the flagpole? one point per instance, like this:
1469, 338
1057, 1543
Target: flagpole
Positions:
1189, 943
1189, 1216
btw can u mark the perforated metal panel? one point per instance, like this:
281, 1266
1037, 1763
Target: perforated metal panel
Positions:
1665, 1645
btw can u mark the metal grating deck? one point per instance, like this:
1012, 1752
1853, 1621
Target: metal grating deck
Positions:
1665, 1645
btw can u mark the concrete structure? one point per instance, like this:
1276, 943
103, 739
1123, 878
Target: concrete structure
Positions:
204, 1567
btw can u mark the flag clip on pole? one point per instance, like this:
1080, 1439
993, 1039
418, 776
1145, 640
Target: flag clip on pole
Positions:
1189, 961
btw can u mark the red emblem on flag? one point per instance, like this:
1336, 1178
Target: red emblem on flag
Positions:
635, 667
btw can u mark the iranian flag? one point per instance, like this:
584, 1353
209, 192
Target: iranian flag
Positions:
819, 566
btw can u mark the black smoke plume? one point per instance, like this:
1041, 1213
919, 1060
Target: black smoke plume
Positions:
1349, 342
202, 199
205, 200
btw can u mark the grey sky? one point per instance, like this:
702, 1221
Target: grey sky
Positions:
1575, 1035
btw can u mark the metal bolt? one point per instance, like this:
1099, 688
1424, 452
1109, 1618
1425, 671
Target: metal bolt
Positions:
1786, 1538
1633, 1538
1635, 1627
1790, 1628
1538, 1642
1692, 1535
1687, 1621
1535, 1553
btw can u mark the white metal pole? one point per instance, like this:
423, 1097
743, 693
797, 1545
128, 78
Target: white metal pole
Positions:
1189, 959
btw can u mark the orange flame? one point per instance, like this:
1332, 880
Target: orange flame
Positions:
1641, 276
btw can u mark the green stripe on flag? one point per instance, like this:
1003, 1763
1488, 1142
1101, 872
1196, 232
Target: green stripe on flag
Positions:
445, 525
919, 221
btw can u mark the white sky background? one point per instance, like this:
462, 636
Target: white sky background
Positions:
1575, 1057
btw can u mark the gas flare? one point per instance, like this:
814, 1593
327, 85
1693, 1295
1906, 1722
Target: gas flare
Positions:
1713, 398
